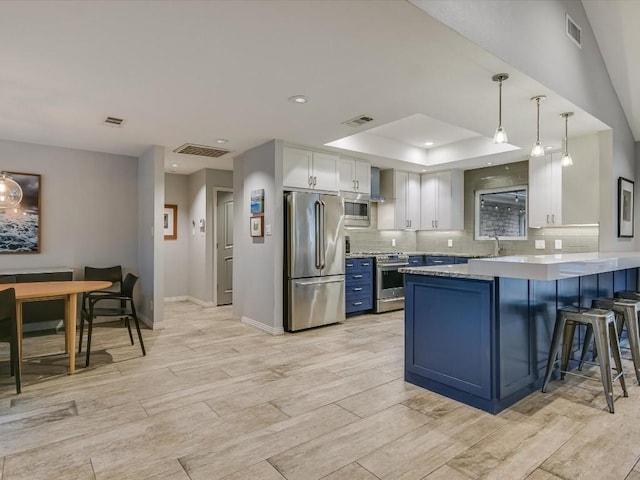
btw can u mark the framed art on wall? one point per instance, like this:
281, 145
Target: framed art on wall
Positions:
255, 227
19, 212
625, 207
170, 222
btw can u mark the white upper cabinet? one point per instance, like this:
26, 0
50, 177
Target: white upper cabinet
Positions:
309, 170
403, 212
545, 191
442, 196
355, 176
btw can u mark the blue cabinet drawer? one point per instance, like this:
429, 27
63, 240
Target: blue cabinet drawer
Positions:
462, 260
352, 278
357, 264
440, 260
359, 289
359, 304
416, 261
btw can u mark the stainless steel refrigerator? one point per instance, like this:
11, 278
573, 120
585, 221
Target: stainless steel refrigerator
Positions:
314, 260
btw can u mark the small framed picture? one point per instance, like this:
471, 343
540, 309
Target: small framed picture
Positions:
625, 207
170, 222
256, 227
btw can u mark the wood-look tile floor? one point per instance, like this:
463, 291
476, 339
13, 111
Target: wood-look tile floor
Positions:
216, 399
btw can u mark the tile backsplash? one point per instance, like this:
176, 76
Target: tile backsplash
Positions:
574, 239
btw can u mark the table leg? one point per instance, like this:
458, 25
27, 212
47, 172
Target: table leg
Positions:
66, 327
71, 308
19, 330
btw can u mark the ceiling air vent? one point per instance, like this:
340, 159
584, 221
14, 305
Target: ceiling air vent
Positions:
574, 31
113, 121
356, 122
201, 150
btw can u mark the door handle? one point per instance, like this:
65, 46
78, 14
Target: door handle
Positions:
356, 304
553, 218
357, 289
310, 180
324, 235
358, 184
547, 218
315, 181
317, 231
357, 276
366, 264
306, 284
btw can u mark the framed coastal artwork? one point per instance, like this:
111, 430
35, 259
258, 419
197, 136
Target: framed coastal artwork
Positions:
19, 212
625, 207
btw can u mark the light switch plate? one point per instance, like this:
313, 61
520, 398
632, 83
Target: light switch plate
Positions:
450, 242
558, 244
267, 230
540, 245
393, 242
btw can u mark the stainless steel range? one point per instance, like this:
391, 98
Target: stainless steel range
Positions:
389, 290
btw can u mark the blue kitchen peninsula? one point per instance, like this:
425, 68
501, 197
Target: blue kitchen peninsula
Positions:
480, 333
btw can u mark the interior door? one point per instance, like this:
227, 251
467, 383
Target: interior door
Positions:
224, 248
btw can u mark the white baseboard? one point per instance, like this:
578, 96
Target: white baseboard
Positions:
202, 303
262, 326
182, 298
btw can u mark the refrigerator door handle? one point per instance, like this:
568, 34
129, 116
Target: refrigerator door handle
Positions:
318, 213
317, 282
323, 247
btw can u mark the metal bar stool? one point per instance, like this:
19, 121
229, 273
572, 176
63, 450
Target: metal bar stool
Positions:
603, 323
626, 311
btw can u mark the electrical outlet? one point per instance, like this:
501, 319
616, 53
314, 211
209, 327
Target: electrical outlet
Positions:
393, 242
558, 244
540, 245
450, 243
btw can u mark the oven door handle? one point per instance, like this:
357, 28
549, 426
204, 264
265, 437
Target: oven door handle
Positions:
392, 265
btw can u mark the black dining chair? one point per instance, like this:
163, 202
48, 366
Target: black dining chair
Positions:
9, 330
108, 303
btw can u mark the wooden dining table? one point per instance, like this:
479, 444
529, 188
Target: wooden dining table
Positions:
68, 291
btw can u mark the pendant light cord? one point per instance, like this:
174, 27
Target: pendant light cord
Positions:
500, 104
538, 120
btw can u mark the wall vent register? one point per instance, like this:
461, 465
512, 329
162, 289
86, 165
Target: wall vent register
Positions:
201, 150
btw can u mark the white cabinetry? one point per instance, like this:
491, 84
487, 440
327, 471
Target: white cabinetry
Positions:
309, 170
545, 191
442, 205
355, 176
404, 211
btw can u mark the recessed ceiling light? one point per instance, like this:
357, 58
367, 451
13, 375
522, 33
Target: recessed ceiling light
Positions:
174, 165
428, 144
222, 141
423, 170
489, 163
298, 99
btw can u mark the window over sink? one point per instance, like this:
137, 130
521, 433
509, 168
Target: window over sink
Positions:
501, 213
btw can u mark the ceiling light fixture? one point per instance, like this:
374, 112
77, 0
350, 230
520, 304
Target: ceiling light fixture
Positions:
174, 165
538, 149
10, 192
222, 141
566, 160
298, 99
501, 135
428, 144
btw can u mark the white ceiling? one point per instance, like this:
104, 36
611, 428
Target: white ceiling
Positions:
615, 25
195, 71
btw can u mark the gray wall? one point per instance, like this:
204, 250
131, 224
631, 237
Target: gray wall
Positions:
547, 55
176, 252
201, 185
150, 197
89, 207
258, 262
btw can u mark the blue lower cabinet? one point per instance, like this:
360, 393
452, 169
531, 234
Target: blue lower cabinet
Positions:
485, 342
461, 260
416, 261
358, 285
439, 260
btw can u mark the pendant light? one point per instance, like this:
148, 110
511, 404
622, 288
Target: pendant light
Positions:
10, 192
566, 160
501, 135
538, 149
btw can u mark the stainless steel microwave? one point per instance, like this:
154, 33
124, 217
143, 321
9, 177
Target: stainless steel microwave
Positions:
357, 212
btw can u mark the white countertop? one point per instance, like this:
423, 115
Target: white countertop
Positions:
554, 267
